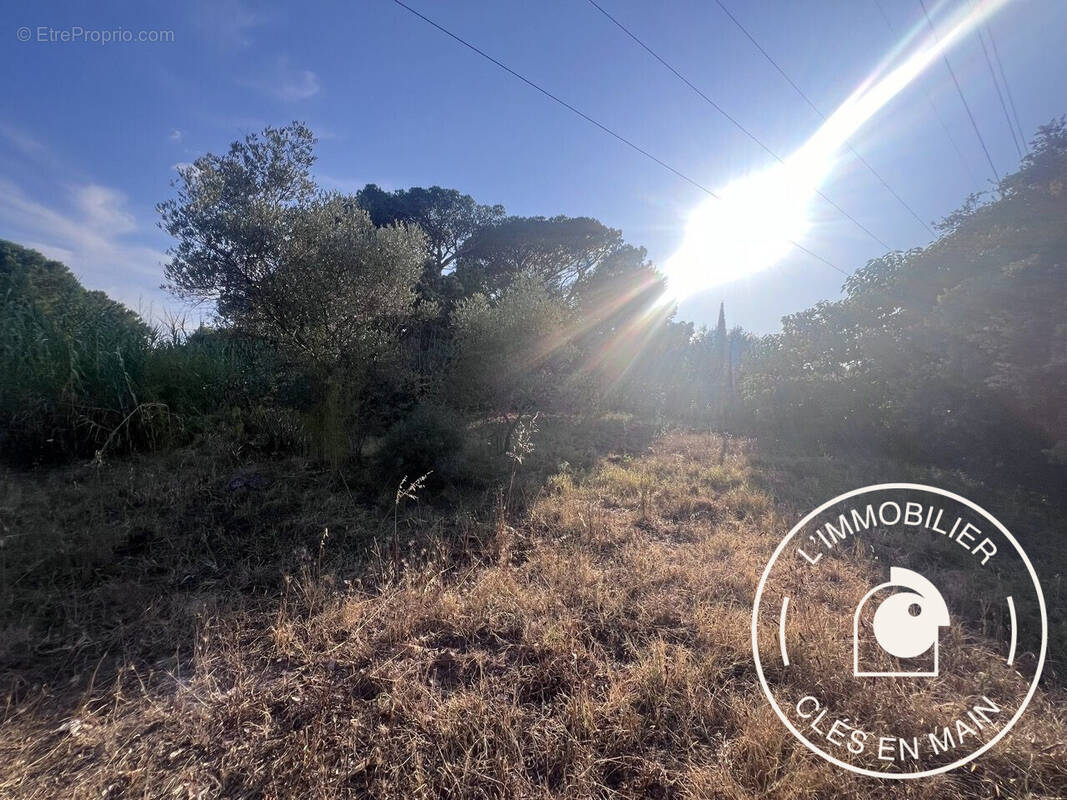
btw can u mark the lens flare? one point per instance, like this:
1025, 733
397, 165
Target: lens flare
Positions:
751, 225
746, 230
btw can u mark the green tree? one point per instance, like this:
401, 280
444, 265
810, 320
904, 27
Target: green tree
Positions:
231, 217
513, 353
953, 354
562, 251
301, 268
449, 220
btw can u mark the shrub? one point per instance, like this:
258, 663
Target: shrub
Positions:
431, 437
71, 363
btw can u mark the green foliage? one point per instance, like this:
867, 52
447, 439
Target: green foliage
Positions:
232, 214
449, 220
340, 313
432, 438
513, 353
198, 373
386, 298
954, 354
71, 363
305, 270
562, 252
80, 373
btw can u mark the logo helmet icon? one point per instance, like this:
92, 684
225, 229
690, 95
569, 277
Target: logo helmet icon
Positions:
906, 624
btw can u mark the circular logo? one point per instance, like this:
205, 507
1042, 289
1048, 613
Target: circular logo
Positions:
899, 631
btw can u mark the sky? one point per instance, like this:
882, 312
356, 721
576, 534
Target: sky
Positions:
91, 131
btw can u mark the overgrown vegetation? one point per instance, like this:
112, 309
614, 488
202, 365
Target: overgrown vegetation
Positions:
346, 313
955, 354
445, 502
594, 644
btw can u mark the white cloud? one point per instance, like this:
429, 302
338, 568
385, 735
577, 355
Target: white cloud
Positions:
286, 83
229, 23
298, 85
102, 208
22, 140
87, 226
176, 135
92, 235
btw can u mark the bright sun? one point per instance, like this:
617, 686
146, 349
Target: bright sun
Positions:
746, 230
749, 227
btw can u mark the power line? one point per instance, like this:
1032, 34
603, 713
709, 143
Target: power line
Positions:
959, 90
933, 107
1007, 89
735, 123
822, 116
1000, 94
563, 103
599, 125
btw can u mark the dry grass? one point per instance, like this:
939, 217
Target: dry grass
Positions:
595, 645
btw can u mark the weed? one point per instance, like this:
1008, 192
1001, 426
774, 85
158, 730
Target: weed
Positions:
611, 660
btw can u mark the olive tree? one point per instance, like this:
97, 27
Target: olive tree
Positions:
304, 269
514, 353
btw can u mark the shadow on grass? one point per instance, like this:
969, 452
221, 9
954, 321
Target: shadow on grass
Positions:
106, 567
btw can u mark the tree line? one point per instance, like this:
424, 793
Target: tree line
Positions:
407, 314
393, 321
954, 354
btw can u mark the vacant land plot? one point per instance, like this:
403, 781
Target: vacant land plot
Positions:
594, 643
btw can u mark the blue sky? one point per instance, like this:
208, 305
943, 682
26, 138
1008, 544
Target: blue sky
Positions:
90, 133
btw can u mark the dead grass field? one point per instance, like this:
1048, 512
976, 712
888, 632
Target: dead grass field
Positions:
594, 643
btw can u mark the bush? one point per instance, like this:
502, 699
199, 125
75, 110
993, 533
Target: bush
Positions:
209, 369
71, 364
81, 373
430, 438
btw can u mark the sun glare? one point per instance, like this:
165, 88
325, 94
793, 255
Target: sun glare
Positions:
747, 229
755, 219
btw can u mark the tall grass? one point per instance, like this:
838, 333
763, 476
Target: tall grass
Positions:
83, 376
70, 376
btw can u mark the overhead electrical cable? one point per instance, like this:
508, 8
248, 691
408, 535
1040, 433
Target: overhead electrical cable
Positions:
959, 91
822, 116
594, 122
933, 108
1007, 88
736, 124
1000, 94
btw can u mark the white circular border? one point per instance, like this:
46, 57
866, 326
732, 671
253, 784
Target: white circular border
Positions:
861, 770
